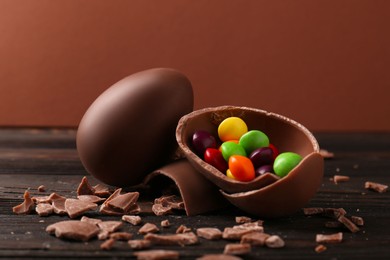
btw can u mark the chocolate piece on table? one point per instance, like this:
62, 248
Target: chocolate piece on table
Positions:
73, 229
90, 198
26, 206
234, 233
58, 203
123, 202
101, 190
219, 257
134, 220
156, 254
182, 229
165, 223
320, 248
253, 226
108, 244
209, 233
340, 178
357, 220
44, 209
124, 236
348, 224
139, 243
188, 238
242, 219
274, 241
255, 238
85, 188
94, 221
237, 249
161, 210
331, 238
75, 207
148, 228
110, 226
378, 187
41, 188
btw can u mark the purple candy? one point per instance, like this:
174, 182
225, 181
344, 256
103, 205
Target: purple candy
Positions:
201, 140
263, 169
262, 156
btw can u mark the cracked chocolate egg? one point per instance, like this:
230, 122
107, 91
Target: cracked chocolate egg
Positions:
267, 195
129, 130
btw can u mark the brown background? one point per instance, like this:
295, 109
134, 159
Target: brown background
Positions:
323, 63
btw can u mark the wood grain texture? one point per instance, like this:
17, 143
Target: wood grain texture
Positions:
32, 157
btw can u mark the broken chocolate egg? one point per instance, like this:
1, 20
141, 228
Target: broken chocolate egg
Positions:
283, 195
129, 130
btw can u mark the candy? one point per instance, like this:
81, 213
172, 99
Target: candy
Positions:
262, 156
263, 169
275, 150
201, 140
285, 162
232, 128
230, 148
241, 168
229, 174
253, 139
214, 157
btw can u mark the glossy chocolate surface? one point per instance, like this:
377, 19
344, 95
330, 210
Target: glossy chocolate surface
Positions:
129, 130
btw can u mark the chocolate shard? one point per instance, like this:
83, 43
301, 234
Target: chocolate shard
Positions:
58, 203
139, 244
90, 198
108, 244
173, 201
44, 209
182, 229
41, 188
242, 219
123, 202
252, 226
94, 221
234, 233
378, 187
85, 188
134, 220
101, 191
209, 233
41, 199
124, 236
156, 254
26, 206
340, 178
161, 210
331, 238
148, 228
237, 249
274, 241
320, 248
359, 221
75, 207
110, 226
183, 239
348, 224
165, 223
73, 230
255, 238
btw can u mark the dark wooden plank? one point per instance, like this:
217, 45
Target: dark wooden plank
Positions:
362, 156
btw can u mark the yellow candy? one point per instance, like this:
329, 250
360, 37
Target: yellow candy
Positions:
232, 128
229, 174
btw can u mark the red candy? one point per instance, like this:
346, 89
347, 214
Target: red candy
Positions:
274, 149
214, 157
241, 168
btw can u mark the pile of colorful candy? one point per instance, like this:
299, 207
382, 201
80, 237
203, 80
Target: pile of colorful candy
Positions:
243, 154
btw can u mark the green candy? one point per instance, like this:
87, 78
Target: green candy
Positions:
252, 140
230, 148
285, 162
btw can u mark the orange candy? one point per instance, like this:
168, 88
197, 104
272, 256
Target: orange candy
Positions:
241, 168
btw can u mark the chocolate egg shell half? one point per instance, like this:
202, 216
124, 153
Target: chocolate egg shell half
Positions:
284, 133
129, 130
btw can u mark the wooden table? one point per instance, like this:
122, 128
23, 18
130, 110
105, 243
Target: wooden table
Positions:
33, 157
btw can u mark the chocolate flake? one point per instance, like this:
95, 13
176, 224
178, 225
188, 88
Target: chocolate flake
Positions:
320, 248
26, 206
91, 198
209, 233
183, 239
85, 188
219, 257
101, 191
173, 201
41, 199
134, 220
237, 249
348, 224
139, 243
124, 236
182, 229
156, 254
123, 202
274, 241
44, 209
378, 187
253, 226
160, 210
331, 238
58, 203
234, 233
75, 207
73, 229
110, 226
359, 221
108, 244
94, 221
255, 238
103, 235
243, 219
340, 178
148, 228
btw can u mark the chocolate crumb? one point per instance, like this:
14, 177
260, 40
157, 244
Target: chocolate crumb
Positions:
41, 188
156, 254
254, 238
139, 244
134, 220
253, 226
237, 249
26, 206
274, 241
182, 229
160, 210
108, 244
183, 239
234, 233
348, 224
165, 223
209, 233
357, 220
340, 178
320, 248
148, 228
173, 201
331, 238
85, 188
378, 187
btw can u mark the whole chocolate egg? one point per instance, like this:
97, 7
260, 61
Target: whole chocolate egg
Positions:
129, 130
